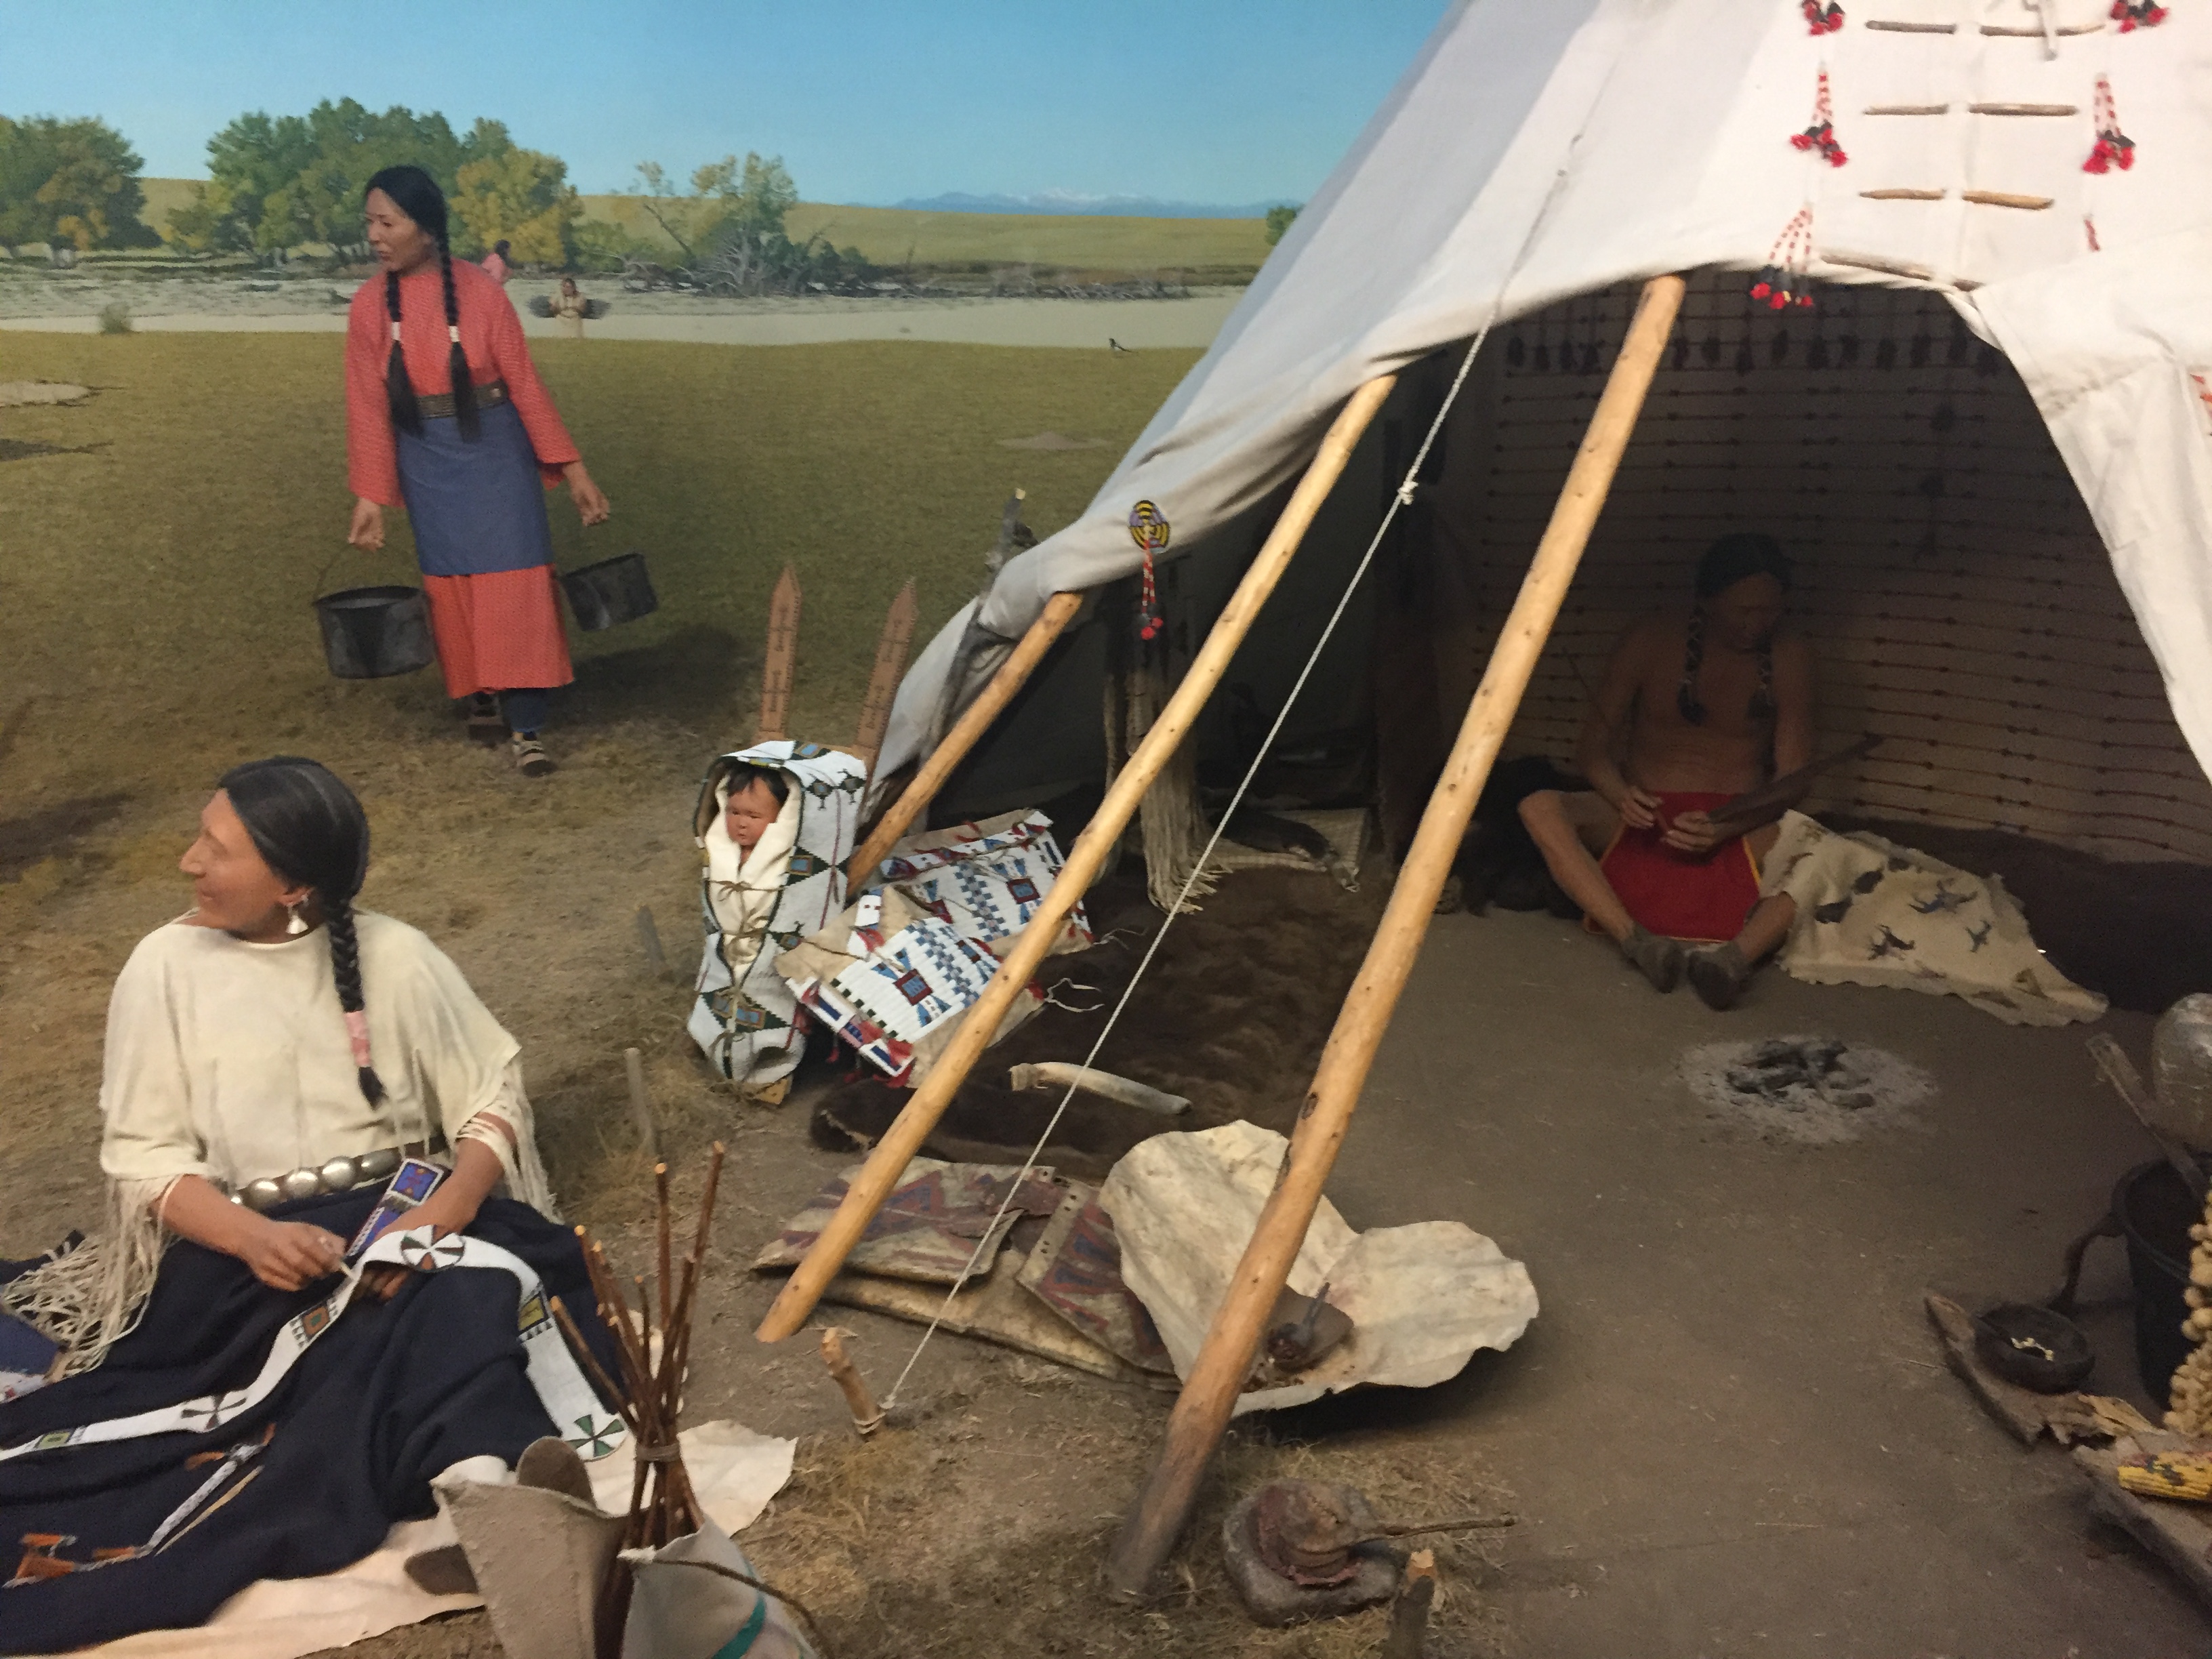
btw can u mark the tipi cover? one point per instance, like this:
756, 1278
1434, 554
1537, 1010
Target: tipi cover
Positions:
2046, 168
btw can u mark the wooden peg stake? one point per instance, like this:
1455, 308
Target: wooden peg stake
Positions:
641, 1104
867, 1416
883, 683
781, 662
1409, 1613
649, 940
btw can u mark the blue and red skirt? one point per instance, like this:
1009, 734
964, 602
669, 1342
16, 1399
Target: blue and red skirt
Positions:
486, 551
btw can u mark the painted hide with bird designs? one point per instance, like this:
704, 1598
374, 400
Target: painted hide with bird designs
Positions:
1870, 912
755, 906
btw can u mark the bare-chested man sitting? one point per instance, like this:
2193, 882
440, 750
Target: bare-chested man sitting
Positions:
1693, 711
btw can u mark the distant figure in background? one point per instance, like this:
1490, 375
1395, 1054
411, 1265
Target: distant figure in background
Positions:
445, 411
494, 263
570, 308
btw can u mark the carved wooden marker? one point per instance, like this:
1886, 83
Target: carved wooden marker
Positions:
782, 658
883, 683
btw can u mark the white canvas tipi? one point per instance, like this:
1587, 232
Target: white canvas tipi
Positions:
2044, 170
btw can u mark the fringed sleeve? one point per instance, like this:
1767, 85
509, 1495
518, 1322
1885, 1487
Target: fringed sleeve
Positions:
147, 1134
472, 1069
509, 1128
85, 1302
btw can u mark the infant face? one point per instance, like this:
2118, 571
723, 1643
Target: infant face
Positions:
749, 812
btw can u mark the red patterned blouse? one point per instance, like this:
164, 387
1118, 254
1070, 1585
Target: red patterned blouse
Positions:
492, 336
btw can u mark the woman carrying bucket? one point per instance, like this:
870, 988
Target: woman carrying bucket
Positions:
445, 413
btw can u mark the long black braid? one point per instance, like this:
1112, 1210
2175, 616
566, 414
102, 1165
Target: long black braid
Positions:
345, 968
309, 828
1693, 658
416, 195
456, 361
400, 391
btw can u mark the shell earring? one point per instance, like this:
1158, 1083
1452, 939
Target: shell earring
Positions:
292, 926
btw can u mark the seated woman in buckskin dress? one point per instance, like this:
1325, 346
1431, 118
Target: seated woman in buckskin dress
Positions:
237, 1400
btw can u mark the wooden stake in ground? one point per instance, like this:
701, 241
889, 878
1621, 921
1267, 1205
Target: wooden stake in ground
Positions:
888, 1159
867, 1416
1224, 1361
968, 731
641, 1104
649, 940
1409, 1613
883, 683
782, 660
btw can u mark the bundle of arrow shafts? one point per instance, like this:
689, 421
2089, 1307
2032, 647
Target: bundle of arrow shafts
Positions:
662, 1504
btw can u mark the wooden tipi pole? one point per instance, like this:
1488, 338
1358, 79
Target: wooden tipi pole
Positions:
782, 660
1224, 1361
891, 1156
967, 731
883, 682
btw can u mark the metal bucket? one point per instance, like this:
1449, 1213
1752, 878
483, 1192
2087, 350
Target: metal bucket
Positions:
2156, 1212
616, 590
371, 633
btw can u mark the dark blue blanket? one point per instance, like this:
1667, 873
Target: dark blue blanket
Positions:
392, 1395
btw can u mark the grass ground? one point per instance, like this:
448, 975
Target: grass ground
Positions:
159, 567
1219, 249
158, 549
163, 540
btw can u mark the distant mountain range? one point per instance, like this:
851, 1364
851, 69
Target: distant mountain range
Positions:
1059, 201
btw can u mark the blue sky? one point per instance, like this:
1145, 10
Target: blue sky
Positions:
1206, 100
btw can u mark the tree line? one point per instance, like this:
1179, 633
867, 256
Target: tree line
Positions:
69, 181
276, 183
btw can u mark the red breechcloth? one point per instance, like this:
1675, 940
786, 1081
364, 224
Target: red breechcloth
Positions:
498, 632
1674, 894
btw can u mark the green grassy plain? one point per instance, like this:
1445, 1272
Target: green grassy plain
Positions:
890, 236
160, 575
1228, 250
159, 547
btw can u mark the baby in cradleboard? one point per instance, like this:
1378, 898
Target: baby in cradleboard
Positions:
751, 811
748, 855
774, 825
745, 877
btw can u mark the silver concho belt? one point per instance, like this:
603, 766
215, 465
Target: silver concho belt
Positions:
337, 1175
